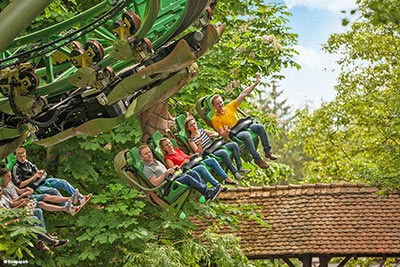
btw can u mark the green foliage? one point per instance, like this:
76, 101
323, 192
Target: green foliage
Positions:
381, 12
17, 235
256, 40
356, 137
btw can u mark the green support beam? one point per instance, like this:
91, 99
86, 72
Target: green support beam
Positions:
16, 17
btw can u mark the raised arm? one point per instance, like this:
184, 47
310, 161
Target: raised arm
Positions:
248, 90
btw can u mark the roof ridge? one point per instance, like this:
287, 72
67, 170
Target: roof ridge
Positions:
303, 189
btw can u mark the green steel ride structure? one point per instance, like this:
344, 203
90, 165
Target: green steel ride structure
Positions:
90, 73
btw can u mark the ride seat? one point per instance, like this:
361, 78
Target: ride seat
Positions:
176, 189
155, 145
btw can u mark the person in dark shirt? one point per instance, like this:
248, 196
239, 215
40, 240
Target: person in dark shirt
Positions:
25, 173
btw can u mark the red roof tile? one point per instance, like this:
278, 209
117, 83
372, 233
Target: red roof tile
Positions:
335, 219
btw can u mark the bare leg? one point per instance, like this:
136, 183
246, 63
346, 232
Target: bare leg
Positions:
55, 199
51, 207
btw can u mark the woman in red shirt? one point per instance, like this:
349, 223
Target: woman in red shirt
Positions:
176, 157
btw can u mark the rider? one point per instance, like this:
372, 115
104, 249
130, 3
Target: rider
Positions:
176, 157
199, 141
42, 237
21, 197
25, 172
225, 118
156, 172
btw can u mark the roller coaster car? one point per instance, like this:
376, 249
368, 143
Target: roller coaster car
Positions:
194, 160
170, 194
206, 111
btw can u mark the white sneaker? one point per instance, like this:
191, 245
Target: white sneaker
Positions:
243, 171
85, 199
75, 210
75, 197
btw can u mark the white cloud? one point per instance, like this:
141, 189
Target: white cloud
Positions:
313, 83
333, 6
314, 59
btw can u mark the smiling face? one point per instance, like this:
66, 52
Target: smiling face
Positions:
218, 103
146, 154
166, 146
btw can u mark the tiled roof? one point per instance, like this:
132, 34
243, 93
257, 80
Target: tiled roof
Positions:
320, 219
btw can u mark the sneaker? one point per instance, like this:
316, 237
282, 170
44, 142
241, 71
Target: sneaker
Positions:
75, 197
68, 207
60, 243
213, 193
42, 246
75, 210
230, 181
262, 164
224, 189
238, 176
271, 156
243, 171
85, 199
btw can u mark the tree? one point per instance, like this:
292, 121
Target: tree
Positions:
356, 137
280, 113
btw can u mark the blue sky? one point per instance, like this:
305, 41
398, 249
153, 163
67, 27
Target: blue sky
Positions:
313, 21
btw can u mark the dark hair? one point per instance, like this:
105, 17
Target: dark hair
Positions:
3, 171
187, 131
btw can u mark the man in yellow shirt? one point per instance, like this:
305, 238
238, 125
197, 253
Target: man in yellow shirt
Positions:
225, 118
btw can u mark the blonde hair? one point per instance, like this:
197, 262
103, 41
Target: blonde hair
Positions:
161, 147
141, 148
20, 150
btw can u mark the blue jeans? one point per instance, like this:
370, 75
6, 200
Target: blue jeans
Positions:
226, 159
56, 184
38, 213
214, 165
245, 136
205, 174
193, 180
259, 129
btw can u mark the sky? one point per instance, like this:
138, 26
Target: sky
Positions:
314, 21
